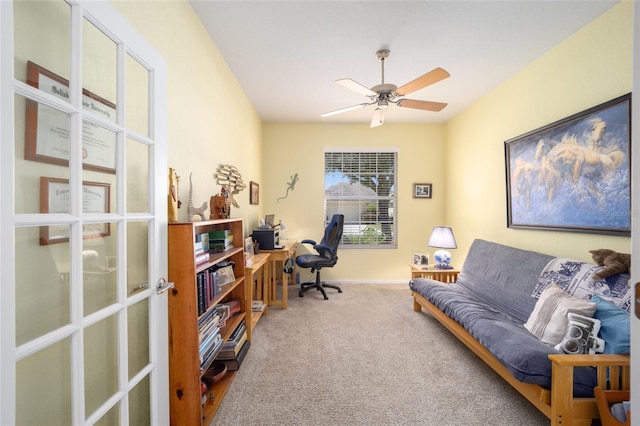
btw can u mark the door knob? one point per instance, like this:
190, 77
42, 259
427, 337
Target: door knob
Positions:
163, 285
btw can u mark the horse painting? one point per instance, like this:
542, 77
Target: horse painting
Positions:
573, 174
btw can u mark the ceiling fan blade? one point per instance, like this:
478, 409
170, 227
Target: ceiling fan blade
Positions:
356, 87
341, 110
378, 118
429, 78
425, 105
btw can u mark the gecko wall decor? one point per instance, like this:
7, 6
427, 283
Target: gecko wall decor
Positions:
290, 186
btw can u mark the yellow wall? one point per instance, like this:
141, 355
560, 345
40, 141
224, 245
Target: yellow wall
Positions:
589, 68
210, 120
298, 148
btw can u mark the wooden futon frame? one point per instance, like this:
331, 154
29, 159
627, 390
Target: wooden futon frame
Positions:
558, 404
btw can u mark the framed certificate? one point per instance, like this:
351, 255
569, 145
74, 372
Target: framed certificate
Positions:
54, 198
47, 129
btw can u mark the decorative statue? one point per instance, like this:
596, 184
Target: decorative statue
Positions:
192, 211
217, 203
290, 186
173, 203
229, 177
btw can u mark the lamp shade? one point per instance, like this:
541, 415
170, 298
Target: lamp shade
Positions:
442, 237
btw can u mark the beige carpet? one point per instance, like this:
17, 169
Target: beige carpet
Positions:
364, 357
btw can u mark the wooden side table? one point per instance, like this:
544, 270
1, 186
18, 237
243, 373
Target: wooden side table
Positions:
257, 277
445, 275
281, 256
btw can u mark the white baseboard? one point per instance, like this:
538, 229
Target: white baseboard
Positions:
401, 281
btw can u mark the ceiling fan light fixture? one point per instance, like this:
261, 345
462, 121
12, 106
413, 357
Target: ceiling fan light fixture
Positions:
383, 93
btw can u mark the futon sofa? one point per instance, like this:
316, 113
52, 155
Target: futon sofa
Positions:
487, 308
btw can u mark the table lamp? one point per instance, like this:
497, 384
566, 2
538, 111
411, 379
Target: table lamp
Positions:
442, 238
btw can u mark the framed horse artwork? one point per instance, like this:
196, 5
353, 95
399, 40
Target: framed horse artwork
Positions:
573, 175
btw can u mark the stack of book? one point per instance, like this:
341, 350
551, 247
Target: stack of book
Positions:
220, 240
202, 255
258, 306
209, 336
234, 364
232, 346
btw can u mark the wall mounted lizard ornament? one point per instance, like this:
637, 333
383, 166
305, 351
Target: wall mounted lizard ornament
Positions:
291, 186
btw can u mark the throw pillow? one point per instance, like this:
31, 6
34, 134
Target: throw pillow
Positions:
582, 336
615, 326
548, 321
576, 278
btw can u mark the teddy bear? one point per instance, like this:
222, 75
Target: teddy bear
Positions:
612, 262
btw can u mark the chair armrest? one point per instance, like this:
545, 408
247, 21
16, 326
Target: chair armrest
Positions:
313, 243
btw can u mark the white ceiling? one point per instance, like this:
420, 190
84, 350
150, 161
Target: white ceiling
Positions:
287, 55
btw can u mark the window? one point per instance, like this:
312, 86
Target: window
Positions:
361, 184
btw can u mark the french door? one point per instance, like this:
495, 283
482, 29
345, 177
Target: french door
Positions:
83, 218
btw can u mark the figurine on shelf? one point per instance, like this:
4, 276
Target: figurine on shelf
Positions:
192, 211
173, 199
220, 205
217, 207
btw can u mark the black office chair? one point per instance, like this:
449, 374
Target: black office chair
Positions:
327, 256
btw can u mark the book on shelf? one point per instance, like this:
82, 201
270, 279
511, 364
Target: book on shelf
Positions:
202, 258
236, 335
209, 341
234, 306
258, 306
234, 363
230, 352
209, 328
203, 239
210, 353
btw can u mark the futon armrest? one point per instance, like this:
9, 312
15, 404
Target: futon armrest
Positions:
313, 243
588, 360
613, 371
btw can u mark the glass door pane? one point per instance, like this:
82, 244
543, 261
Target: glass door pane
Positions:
137, 85
42, 35
101, 363
137, 257
42, 293
43, 386
42, 151
99, 71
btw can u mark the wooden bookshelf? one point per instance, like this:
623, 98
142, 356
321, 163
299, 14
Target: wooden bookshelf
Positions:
186, 407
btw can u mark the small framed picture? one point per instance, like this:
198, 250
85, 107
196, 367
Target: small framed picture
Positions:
248, 247
421, 190
420, 259
254, 193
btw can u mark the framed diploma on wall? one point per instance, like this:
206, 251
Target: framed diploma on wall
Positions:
47, 128
54, 198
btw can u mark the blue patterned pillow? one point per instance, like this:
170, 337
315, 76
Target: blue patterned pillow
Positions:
615, 327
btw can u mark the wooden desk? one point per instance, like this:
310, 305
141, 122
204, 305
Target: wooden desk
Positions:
281, 255
257, 277
444, 275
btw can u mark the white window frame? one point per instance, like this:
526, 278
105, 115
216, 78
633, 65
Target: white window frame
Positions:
356, 227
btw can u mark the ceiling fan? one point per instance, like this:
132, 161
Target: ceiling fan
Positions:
383, 93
